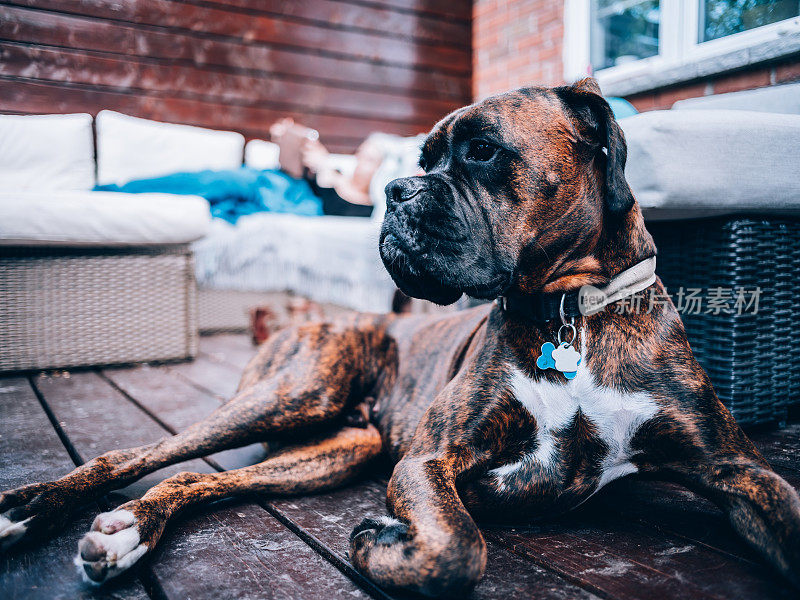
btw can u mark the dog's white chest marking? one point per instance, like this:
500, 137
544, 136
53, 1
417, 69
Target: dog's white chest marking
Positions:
615, 415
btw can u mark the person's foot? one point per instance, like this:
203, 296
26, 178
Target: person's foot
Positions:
313, 155
279, 127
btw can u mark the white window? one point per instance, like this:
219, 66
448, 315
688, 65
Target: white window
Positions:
636, 45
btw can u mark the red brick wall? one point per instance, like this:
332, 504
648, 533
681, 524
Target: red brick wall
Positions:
756, 77
519, 43
516, 43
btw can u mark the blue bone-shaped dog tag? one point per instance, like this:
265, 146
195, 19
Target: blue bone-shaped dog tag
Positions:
565, 354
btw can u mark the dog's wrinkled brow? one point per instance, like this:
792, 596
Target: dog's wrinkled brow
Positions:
476, 125
463, 123
434, 147
437, 142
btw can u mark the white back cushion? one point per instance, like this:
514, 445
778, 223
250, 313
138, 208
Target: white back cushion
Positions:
401, 159
261, 154
774, 99
46, 152
689, 163
133, 148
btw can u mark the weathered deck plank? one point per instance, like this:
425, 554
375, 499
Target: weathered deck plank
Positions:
621, 558
781, 448
330, 518
96, 417
675, 511
217, 378
625, 560
30, 450
176, 404
240, 551
636, 539
236, 350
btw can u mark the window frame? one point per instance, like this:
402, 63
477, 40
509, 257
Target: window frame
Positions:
681, 57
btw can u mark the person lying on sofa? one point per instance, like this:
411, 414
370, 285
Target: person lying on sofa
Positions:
314, 190
303, 156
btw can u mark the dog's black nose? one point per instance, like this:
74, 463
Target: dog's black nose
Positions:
402, 190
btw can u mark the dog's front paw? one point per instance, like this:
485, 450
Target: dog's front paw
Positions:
31, 510
392, 555
375, 544
383, 550
112, 546
383, 530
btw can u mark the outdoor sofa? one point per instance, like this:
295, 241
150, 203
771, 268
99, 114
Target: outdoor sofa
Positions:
718, 179
90, 277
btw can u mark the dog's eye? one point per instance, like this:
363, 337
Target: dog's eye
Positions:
481, 150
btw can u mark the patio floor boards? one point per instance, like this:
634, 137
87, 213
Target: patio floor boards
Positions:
635, 539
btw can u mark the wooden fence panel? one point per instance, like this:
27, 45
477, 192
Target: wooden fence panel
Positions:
345, 67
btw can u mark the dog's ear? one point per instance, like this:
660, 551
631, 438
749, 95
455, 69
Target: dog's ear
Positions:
596, 118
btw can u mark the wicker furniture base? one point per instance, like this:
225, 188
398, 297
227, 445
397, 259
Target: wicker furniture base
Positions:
64, 307
750, 357
231, 310
228, 310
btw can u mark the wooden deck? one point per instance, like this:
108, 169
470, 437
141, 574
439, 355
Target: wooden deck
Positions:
636, 539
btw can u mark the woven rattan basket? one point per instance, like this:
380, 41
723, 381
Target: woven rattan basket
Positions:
63, 307
751, 357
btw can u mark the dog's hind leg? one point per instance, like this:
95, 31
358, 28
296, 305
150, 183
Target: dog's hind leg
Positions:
121, 537
762, 507
299, 384
700, 446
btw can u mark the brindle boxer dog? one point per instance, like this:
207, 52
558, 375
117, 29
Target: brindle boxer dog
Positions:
519, 199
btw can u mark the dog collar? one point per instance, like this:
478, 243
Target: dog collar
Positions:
588, 300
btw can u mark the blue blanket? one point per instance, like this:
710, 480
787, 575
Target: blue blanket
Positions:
235, 193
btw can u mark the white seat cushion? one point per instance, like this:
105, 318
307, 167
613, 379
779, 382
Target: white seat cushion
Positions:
692, 163
104, 219
131, 148
326, 259
46, 152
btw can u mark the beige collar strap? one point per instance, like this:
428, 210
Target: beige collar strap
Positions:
640, 276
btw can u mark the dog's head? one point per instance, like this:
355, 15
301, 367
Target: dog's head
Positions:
516, 193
